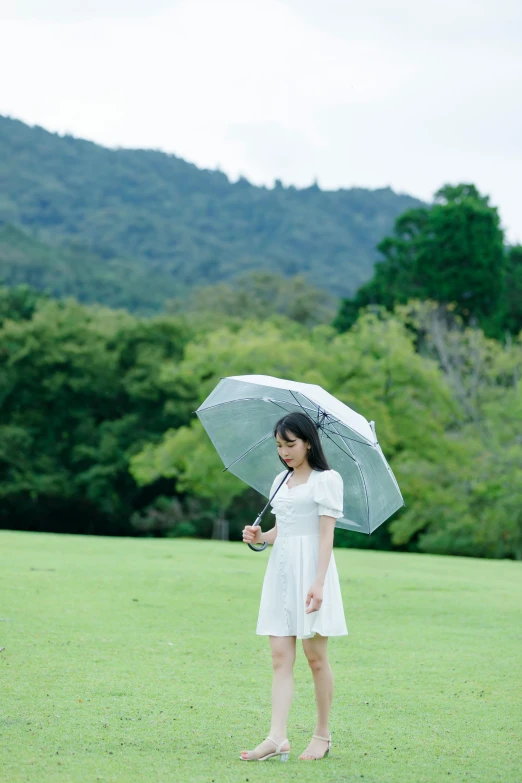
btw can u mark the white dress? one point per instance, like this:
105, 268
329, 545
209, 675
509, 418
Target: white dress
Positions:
292, 566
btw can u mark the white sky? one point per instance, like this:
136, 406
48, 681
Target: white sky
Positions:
407, 93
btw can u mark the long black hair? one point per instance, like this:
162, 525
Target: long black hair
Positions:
305, 428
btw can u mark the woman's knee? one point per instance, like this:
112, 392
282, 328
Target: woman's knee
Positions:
316, 652
283, 655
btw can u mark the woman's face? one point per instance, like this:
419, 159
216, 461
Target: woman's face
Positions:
294, 451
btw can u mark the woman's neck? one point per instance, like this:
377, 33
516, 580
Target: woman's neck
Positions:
303, 471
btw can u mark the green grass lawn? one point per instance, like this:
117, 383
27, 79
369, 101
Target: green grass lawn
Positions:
137, 660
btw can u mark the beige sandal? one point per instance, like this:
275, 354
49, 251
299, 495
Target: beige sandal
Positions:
283, 754
327, 751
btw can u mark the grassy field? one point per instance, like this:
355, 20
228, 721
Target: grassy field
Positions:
137, 660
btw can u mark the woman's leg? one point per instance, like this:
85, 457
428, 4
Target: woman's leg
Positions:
316, 651
283, 659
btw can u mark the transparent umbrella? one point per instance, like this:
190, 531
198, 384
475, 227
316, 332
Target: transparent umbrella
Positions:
240, 414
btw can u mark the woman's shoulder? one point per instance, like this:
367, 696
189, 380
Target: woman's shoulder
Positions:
328, 477
278, 478
328, 473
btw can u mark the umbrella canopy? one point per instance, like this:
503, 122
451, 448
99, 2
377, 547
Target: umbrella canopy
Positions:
241, 412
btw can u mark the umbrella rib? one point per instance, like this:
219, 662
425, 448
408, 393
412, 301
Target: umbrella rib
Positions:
348, 453
334, 418
328, 415
322, 426
244, 399
301, 406
362, 479
279, 403
345, 437
249, 450
262, 439
226, 402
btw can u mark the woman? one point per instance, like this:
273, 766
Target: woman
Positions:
301, 596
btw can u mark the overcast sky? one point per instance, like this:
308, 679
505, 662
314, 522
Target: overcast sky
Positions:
409, 94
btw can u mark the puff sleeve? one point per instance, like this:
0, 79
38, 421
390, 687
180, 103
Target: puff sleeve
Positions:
328, 493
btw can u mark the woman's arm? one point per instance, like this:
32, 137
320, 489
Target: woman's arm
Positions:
314, 598
326, 538
270, 535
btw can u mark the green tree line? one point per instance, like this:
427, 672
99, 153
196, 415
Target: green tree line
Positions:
98, 432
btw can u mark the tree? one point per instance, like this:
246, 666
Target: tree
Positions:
18, 303
468, 500
80, 394
511, 313
185, 454
451, 252
256, 294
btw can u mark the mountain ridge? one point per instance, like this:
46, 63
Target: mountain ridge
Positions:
185, 226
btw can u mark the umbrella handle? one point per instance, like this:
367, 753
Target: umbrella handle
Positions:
258, 548
264, 545
260, 516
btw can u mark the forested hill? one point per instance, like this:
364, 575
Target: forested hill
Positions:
155, 226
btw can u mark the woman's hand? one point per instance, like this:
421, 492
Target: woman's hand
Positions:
314, 598
252, 534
